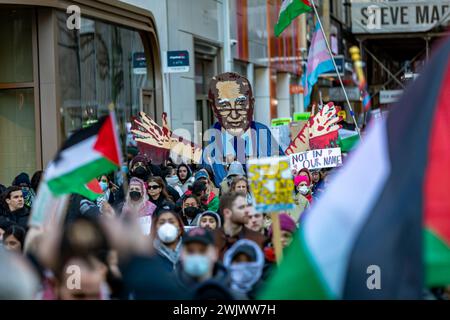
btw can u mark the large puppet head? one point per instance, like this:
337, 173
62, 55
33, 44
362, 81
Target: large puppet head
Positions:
231, 98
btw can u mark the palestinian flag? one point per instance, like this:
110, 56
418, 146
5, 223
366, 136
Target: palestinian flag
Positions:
384, 221
87, 154
290, 9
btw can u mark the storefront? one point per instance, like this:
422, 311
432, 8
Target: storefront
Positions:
55, 80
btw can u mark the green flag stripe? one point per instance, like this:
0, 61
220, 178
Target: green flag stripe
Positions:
292, 11
296, 278
437, 260
74, 181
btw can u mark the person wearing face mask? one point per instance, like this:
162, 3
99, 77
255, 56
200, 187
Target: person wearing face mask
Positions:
245, 263
137, 204
139, 167
167, 233
158, 195
199, 260
191, 208
302, 198
172, 179
302, 183
109, 191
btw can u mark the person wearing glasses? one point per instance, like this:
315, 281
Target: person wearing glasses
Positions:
158, 194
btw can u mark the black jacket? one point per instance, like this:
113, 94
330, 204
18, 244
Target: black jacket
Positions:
220, 275
162, 202
19, 217
146, 278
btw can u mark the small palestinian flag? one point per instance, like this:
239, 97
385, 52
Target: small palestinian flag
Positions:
381, 229
290, 9
87, 154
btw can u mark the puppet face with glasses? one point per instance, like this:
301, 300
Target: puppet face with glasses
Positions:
231, 98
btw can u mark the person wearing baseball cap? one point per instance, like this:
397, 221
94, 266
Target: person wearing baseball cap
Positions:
199, 260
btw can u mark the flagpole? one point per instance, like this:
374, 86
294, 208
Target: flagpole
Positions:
336, 68
112, 113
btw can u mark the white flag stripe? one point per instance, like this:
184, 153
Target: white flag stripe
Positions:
334, 223
73, 158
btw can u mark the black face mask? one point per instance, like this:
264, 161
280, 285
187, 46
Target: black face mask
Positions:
135, 195
141, 173
191, 212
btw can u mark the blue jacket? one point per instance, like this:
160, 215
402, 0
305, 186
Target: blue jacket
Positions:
218, 166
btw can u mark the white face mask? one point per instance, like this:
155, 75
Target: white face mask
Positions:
304, 190
167, 233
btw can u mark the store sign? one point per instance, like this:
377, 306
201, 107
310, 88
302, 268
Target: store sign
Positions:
177, 61
388, 16
390, 96
139, 63
296, 89
337, 94
340, 63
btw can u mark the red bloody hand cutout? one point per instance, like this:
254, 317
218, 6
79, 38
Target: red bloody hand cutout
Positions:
157, 142
324, 127
321, 129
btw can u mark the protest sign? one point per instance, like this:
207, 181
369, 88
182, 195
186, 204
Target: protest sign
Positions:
316, 159
271, 184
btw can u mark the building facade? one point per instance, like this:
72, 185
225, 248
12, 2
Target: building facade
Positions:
59, 73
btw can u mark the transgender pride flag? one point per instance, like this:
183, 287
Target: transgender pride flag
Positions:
319, 61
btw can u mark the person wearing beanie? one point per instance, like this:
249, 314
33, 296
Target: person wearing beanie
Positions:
235, 170
302, 184
288, 228
301, 201
209, 220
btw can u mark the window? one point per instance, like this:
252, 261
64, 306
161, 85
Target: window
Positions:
206, 67
17, 101
98, 65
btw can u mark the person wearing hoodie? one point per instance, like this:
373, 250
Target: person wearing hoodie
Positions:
139, 167
185, 178
138, 205
199, 260
23, 181
167, 233
202, 189
15, 210
245, 263
235, 170
209, 220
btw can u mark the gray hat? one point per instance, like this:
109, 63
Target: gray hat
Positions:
235, 169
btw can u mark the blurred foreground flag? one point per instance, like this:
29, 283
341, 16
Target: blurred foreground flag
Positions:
382, 228
290, 9
87, 154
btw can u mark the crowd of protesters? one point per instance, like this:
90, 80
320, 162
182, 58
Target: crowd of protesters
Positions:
172, 234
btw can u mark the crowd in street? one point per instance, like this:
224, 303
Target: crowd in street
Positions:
173, 234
